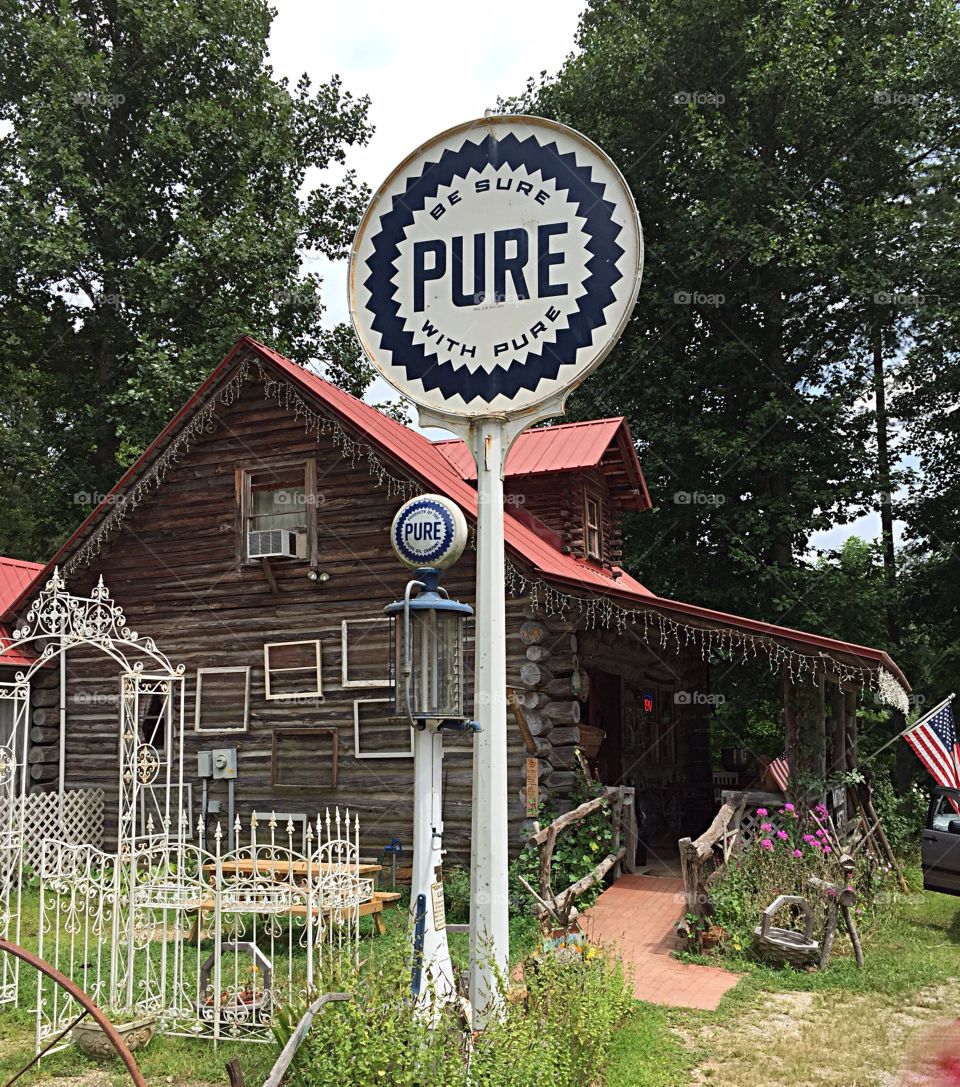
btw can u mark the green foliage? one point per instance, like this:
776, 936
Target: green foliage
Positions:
154, 206
376, 1038
561, 1033
904, 815
789, 850
456, 895
558, 1033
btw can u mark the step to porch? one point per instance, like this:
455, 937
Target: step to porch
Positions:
637, 918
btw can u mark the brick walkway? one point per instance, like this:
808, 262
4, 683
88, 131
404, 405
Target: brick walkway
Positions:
637, 917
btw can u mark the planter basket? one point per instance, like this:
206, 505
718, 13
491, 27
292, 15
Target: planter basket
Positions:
784, 945
591, 738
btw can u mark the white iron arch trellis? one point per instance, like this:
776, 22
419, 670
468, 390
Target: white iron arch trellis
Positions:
57, 622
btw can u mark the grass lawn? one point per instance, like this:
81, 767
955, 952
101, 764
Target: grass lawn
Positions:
783, 1027
170, 1060
776, 1028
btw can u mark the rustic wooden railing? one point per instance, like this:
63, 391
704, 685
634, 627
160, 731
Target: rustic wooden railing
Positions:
560, 909
698, 856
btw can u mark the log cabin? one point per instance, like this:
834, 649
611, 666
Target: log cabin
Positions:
250, 541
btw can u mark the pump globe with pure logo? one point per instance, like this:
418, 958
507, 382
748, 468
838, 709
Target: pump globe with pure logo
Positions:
429, 533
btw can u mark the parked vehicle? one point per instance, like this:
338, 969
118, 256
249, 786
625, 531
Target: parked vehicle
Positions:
940, 844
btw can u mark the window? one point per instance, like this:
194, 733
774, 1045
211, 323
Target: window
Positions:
153, 723
278, 498
223, 700
292, 670
592, 531
668, 728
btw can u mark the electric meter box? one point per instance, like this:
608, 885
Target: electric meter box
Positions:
224, 763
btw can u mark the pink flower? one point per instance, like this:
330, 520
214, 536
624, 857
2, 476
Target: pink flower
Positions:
766, 844
809, 839
782, 835
822, 810
816, 844
762, 811
821, 833
766, 826
827, 849
798, 852
789, 807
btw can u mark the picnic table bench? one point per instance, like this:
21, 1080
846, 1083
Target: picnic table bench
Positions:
300, 871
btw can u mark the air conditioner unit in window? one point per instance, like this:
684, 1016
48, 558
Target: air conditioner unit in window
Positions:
274, 543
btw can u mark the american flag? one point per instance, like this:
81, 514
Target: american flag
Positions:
934, 739
780, 772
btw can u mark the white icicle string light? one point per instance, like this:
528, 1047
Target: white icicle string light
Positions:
552, 602
204, 422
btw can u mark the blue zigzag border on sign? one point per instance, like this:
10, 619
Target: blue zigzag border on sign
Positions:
597, 287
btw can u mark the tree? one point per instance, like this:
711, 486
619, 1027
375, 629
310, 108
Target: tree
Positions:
775, 151
153, 208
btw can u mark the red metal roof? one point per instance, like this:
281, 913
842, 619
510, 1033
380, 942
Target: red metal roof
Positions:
16, 577
567, 447
425, 460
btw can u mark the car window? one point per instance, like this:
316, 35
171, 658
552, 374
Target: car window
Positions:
945, 812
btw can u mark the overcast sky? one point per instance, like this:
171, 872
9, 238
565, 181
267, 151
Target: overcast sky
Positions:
426, 67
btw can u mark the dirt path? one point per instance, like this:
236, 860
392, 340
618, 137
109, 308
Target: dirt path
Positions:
819, 1039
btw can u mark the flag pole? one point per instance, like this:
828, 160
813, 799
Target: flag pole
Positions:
926, 717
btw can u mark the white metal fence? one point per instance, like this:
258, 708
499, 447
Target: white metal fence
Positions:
211, 943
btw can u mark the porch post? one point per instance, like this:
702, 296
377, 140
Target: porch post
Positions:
837, 759
791, 723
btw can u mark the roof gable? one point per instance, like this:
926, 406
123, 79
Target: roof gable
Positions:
424, 460
16, 578
604, 444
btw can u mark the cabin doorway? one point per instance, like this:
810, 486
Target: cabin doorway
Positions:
605, 710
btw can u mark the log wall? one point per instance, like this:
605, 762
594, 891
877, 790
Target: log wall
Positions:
173, 567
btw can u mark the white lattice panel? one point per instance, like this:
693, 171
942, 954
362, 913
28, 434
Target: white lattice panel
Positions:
75, 817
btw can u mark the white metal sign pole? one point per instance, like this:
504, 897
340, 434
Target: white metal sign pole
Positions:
493, 271
489, 915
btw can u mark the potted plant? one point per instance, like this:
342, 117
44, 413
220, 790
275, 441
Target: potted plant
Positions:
92, 1040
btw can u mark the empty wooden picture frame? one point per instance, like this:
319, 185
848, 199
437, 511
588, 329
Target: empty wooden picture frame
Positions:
365, 652
377, 733
292, 670
223, 700
298, 758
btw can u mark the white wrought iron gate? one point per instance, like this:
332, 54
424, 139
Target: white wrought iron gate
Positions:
14, 729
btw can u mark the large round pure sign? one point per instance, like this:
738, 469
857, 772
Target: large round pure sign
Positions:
496, 266
429, 531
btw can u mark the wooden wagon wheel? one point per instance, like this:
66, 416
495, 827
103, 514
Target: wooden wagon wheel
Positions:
89, 1008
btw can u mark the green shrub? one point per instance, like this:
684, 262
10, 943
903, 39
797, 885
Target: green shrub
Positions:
904, 817
456, 895
557, 1033
780, 861
561, 1033
375, 1038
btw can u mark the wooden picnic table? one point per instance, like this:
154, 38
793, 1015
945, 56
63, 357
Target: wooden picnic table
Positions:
279, 867
373, 907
